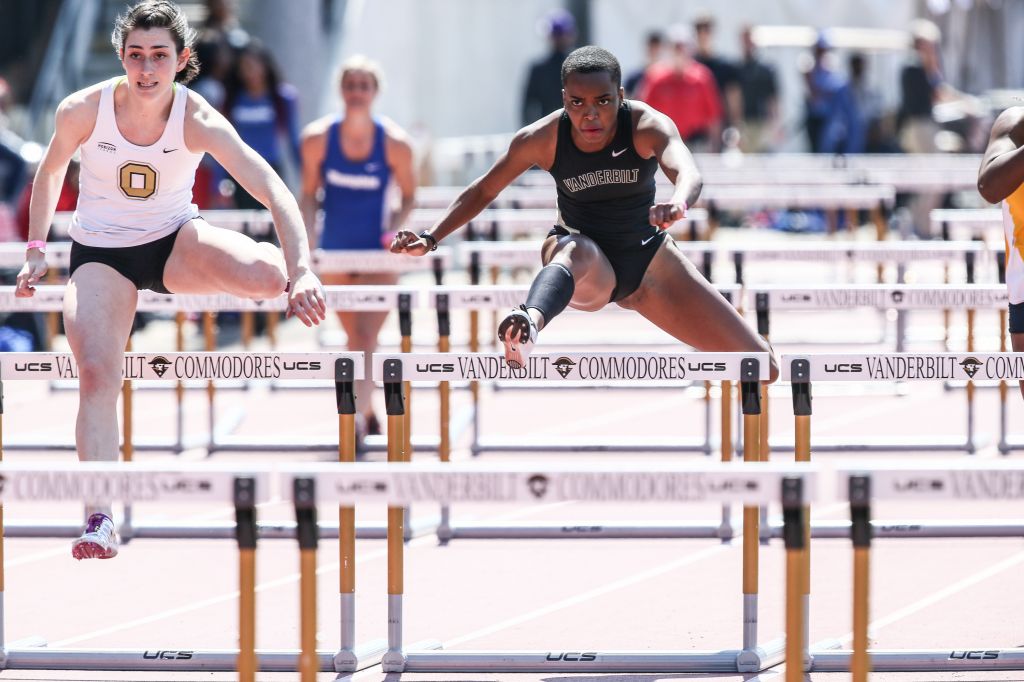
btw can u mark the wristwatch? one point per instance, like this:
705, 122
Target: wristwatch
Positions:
430, 238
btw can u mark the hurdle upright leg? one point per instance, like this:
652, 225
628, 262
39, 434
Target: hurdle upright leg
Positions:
794, 531
210, 338
127, 447
725, 531
394, 658
444, 531
801, 386
764, 452
345, 660
179, 386
245, 534
751, 396
306, 531
860, 534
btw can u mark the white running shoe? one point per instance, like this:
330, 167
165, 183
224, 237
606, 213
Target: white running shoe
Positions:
519, 334
98, 541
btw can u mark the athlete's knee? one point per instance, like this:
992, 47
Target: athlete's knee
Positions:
267, 279
98, 379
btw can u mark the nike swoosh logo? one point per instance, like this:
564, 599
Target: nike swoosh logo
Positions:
645, 242
620, 152
168, 151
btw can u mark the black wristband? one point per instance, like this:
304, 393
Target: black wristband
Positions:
429, 237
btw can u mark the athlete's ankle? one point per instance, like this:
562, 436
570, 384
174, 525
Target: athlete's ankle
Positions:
537, 316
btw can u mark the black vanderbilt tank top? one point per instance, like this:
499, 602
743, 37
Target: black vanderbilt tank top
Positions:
605, 194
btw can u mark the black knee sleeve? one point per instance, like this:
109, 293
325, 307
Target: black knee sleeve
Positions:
551, 291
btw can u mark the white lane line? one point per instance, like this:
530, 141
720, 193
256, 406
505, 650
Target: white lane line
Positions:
939, 595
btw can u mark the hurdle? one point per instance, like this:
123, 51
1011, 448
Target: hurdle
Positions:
394, 370
899, 297
976, 222
402, 484
103, 482
802, 370
998, 481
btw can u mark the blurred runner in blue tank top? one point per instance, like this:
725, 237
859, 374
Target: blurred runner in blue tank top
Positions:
353, 160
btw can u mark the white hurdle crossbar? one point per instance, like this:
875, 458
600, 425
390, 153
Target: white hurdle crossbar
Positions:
401, 484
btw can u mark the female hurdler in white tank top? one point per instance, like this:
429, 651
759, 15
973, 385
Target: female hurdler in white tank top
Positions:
130, 194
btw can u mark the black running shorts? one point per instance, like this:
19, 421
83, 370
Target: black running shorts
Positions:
628, 262
143, 265
1017, 318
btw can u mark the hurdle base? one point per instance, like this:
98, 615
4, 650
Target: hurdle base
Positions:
667, 444
912, 528
164, 660
882, 444
570, 661
363, 656
761, 658
396, 660
710, 530
923, 660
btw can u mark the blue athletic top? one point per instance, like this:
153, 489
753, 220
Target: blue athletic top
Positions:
354, 194
256, 121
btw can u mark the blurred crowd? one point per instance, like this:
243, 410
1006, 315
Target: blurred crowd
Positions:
718, 103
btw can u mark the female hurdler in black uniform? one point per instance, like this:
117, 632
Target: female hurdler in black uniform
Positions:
608, 243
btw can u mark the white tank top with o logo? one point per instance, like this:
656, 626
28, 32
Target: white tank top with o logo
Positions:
128, 194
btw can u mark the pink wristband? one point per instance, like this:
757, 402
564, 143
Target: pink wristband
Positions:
685, 207
36, 244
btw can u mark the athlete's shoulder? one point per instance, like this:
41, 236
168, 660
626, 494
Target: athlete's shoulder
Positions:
646, 117
84, 102
395, 133
199, 111
542, 132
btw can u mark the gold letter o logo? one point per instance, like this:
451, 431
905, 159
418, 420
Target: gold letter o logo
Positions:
137, 180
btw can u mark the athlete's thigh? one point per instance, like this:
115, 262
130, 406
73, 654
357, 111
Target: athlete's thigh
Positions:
677, 298
208, 259
99, 307
361, 325
590, 268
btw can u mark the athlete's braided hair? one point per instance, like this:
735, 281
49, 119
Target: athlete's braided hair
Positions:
592, 59
159, 14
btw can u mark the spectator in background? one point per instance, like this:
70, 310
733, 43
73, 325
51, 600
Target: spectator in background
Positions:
877, 130
725, 72
544, 83
759, 129
921, 87
223, 26
685, 91
634, 81
833, 123
263, 109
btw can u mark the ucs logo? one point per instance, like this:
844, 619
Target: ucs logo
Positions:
571, 656
167, 655
973, 655
564, 366
33, 367
919, 484
160, 365
435, 367
971, 366
301, 366
844, 368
